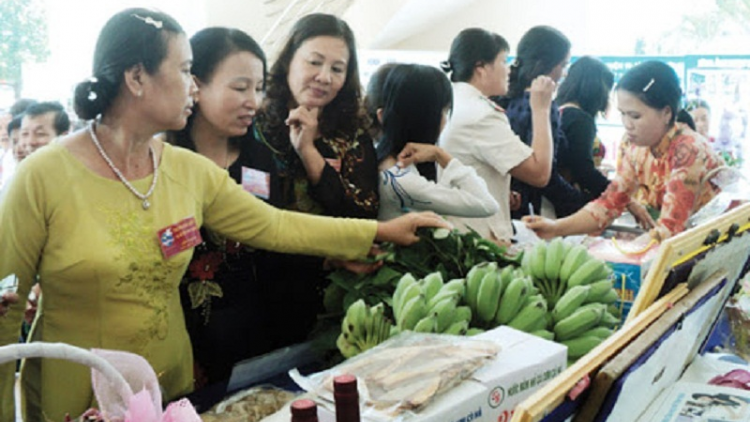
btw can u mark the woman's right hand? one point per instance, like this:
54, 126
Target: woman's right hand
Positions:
403, 230
542, 90
641, 215
421, 153
303, 127
543, 227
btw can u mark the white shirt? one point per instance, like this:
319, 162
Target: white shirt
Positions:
459, 191
479, 134
8, 164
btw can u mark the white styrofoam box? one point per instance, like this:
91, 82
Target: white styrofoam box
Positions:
524, 364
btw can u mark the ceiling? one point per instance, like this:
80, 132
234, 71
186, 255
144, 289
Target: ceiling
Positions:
379, 24
282, 14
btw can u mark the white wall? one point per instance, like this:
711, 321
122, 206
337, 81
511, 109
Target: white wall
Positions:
600, 27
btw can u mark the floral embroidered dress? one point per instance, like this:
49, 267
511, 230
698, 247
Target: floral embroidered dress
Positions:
221, 297
671, 177
348, 187
106, 283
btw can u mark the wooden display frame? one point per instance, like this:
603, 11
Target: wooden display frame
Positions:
649, 364
552, 395
650, 304
684, 247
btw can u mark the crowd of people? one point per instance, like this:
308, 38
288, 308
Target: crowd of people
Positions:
195, 216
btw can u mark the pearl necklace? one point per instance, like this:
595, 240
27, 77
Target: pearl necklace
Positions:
146, 204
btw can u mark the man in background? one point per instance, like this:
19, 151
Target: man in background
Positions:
41, 123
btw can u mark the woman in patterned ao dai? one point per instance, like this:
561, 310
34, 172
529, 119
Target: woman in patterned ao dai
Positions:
668, 168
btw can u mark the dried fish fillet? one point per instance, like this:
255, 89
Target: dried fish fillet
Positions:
408, 371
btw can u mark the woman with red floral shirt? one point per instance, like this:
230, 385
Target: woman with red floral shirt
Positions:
664, 167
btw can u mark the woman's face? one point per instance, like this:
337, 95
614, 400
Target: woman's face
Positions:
560, 70
497, 73
317, 71
229, 99
702, 119
168, 93
645, 126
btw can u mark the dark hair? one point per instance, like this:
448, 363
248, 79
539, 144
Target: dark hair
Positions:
210, 47
375, 96
588, 84
655, 83
541, 49
61, 122
15, 124
129, 38
472, 47
415, 97
697, 103
344, 115
20, 106
684, 117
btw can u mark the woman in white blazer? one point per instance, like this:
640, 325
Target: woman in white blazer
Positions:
478, 132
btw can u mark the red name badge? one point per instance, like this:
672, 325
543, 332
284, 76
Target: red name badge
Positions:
256, 182
179, 237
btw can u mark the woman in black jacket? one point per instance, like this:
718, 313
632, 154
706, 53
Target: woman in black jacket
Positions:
583, 94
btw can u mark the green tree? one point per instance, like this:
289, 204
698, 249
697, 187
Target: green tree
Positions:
697, 33
737, 10
23, 38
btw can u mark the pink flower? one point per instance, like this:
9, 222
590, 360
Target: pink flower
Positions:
141, 408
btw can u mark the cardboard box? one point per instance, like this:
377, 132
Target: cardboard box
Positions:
523, 365
629, 270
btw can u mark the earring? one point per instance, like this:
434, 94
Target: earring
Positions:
139, 94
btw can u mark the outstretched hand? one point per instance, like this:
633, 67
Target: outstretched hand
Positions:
641, 215
357, 267
403, 230
543, 227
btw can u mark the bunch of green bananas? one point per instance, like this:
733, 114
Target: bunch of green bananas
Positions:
363, 328
585, 328
431, 305
558, 266
579, 290
505, 296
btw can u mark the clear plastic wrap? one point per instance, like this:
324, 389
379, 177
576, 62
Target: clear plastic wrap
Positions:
405, 373
735, 190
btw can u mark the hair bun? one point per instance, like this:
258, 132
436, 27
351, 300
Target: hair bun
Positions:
92, 97
445, 65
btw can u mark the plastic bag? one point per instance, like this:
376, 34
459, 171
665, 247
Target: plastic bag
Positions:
406, 372
735, 189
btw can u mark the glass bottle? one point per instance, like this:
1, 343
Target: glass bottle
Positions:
346, 397
304, 410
